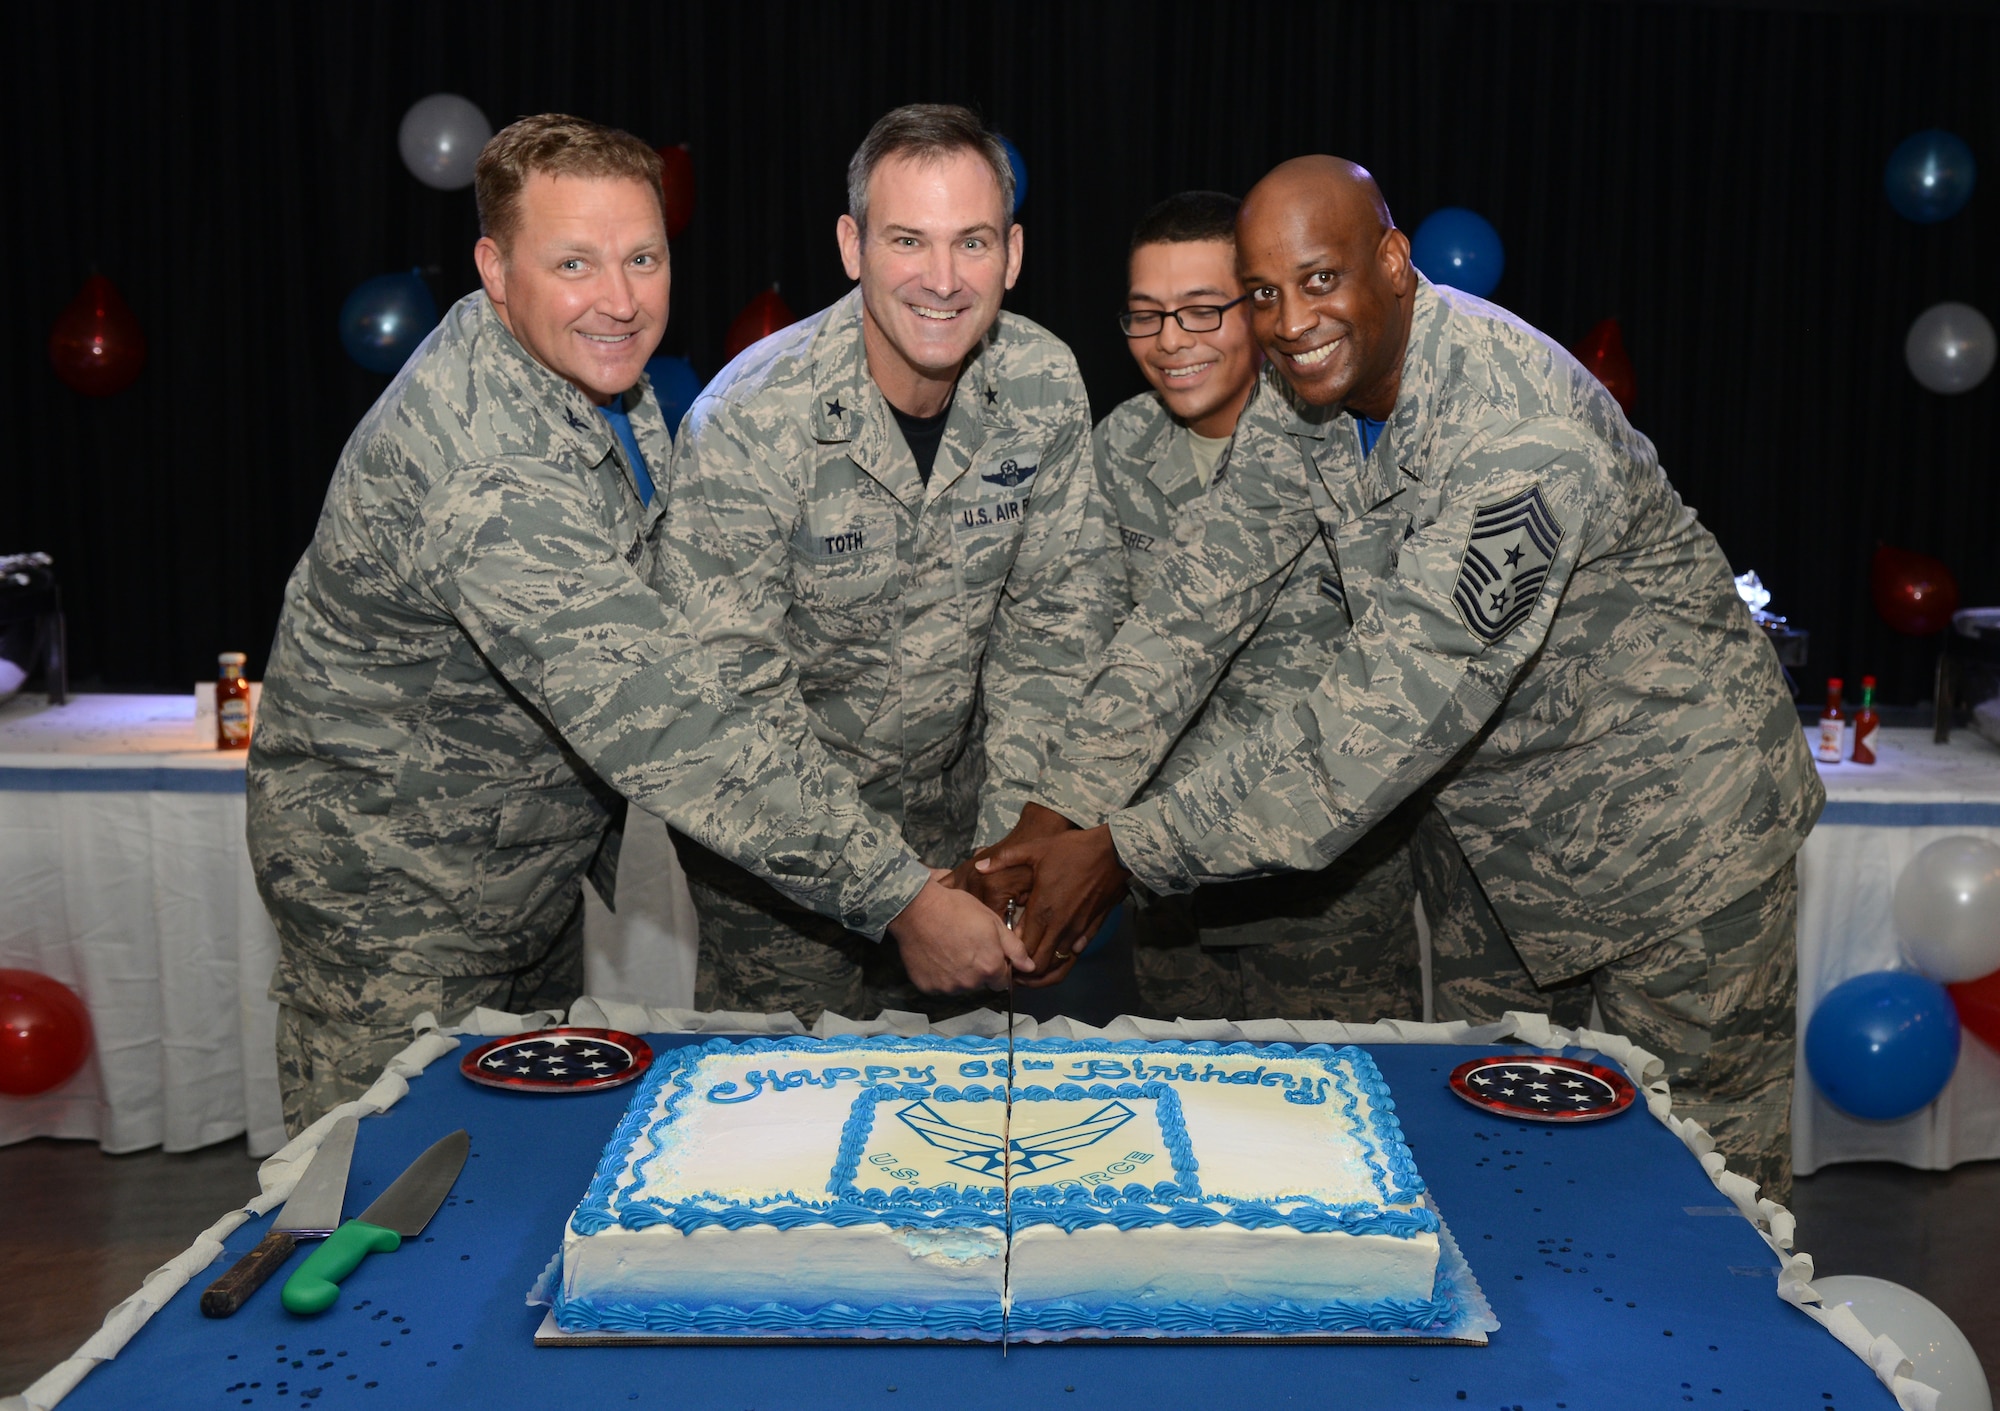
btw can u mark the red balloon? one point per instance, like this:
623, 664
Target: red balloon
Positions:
44, 1033
1978, 1006
1603, 352
677, 185
761, 317
1914, 593
97, 345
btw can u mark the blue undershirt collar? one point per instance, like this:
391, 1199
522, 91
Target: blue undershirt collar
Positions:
1370, 429
621, 425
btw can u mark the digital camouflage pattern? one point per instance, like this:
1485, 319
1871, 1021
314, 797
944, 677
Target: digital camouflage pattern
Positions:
1604, 729
1336, 943
1717, 1002
1476, 974
935, 636
760, 953
324, 1062
1545, 642
476, 659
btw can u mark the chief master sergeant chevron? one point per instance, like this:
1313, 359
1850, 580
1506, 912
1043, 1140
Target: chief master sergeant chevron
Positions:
475, 660
1544, 637
903, 488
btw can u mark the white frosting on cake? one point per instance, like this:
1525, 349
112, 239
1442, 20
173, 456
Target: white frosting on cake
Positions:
860, 1186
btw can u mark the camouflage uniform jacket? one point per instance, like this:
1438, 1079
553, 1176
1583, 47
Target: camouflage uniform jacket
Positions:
1146, 459
936, 635
474, 660
1541, 629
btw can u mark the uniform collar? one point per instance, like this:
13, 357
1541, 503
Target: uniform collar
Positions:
1167, 449
849, 408
1399, 456
572, 418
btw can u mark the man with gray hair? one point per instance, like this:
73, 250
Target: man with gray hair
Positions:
477, 663
902, 488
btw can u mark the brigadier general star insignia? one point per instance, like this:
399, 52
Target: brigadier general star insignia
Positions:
1506, 560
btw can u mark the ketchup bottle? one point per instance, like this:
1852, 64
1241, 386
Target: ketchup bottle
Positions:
1866, 723
1832, 720
232, 705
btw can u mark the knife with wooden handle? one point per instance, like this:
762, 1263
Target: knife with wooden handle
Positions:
312, 1212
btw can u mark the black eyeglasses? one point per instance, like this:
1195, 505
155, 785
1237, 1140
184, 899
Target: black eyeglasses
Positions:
1195, 318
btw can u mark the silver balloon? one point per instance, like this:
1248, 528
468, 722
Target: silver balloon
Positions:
1950, 348
1947, 909
440, 140
1940, 1355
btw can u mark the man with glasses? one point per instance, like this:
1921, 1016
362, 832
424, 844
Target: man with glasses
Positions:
901, 490
1546, 644
1338, 943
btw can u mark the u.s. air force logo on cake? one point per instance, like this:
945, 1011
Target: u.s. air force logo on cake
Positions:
1506, 560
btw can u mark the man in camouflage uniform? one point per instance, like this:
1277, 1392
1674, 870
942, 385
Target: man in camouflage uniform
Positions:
1544, 639
475, 661
1337, 943
902, 488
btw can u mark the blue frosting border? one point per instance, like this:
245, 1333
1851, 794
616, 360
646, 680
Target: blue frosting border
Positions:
1135, 1206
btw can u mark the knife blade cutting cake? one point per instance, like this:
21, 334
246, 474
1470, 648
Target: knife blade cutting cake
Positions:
913, 1187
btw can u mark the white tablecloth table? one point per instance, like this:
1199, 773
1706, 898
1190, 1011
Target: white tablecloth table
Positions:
124, 875
1877, 818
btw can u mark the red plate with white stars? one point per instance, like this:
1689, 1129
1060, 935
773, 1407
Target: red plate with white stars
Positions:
1540, 1089
558, 1061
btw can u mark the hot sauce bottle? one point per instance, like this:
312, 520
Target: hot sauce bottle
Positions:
1866, 723
232, 705
1832, 720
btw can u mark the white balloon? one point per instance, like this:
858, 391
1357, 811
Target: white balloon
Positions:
1947, 909
1939, 1352
440, 140
1949, 348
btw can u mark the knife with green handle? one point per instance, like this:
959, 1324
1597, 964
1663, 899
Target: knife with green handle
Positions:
399, 1213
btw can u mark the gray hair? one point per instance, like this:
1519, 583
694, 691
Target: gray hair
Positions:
926, 132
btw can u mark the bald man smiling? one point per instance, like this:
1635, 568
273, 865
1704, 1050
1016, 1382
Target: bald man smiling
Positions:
1545, 642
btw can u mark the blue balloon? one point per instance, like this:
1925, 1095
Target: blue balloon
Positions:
1929, 176
1020, 170
385, 318
1461, 248
1883, 1045
675, 386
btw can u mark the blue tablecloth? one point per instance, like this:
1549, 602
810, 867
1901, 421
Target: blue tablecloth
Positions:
1620, 1276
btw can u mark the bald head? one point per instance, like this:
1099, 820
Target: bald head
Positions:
1330, 283
1333, 181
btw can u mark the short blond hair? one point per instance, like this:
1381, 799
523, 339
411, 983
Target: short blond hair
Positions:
557, 145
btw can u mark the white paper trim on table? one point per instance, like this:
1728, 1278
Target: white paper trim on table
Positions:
275, 1178
281, 1171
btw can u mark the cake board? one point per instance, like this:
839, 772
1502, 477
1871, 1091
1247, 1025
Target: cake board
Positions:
1469, 1329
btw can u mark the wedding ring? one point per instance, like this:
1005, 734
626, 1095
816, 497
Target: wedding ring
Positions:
1060, 956
1013, 910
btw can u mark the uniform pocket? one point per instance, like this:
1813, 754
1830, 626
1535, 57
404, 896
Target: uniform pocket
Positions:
541, 844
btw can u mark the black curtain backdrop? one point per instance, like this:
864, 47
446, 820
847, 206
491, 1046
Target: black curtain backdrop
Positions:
1710, 175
